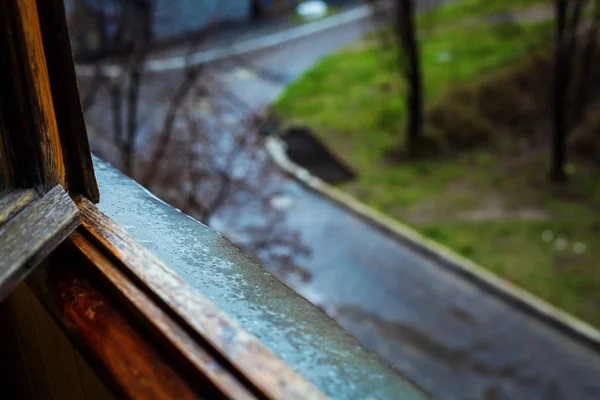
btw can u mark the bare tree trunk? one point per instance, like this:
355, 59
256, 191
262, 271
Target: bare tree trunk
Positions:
141, 33
187, 83
406, 31
557, 167
135, 77
568, 15
89, 96
585, 67
117, 116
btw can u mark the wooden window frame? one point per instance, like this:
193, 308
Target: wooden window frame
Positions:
32, 227
102, 277
44, 149
145, 329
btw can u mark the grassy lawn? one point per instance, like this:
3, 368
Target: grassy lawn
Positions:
490, 203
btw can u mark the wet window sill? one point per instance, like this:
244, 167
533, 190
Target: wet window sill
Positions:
294, 329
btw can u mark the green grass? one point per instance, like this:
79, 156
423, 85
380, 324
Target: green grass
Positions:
491, 204
518, 248
363, 80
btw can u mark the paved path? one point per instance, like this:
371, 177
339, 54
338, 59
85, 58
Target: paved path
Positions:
453, 339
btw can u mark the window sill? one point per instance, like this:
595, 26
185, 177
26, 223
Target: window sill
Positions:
294, 329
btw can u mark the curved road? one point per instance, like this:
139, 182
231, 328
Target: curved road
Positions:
452, 338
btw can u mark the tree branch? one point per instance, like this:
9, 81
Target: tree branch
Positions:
187, 83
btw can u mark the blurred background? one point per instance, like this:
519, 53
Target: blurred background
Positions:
474, 122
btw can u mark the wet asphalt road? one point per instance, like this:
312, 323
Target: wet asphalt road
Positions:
452, 338
449, 336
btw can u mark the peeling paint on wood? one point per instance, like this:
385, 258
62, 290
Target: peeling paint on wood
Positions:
27, 59
43, 145
32, 234
65, 95
13, 202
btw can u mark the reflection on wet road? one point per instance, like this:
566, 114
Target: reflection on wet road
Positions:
452, 338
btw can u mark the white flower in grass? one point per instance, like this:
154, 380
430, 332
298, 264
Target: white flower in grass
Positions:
547, 236
579, 248
560, 243
444, 57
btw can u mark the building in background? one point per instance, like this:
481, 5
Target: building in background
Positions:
98, 28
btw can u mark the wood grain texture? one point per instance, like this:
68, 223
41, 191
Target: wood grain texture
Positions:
21, 359
57, 354
65, 95
207, 368
31, 86
44, 136
118, 348
271, 376
13, 202
29, 342
14, 375
93, 387
18, 129
6, 181
32, 234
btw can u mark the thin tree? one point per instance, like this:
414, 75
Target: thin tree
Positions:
568, 15
588, 53
410, 63
559, 126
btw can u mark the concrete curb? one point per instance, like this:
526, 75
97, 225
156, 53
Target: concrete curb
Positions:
522, 299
